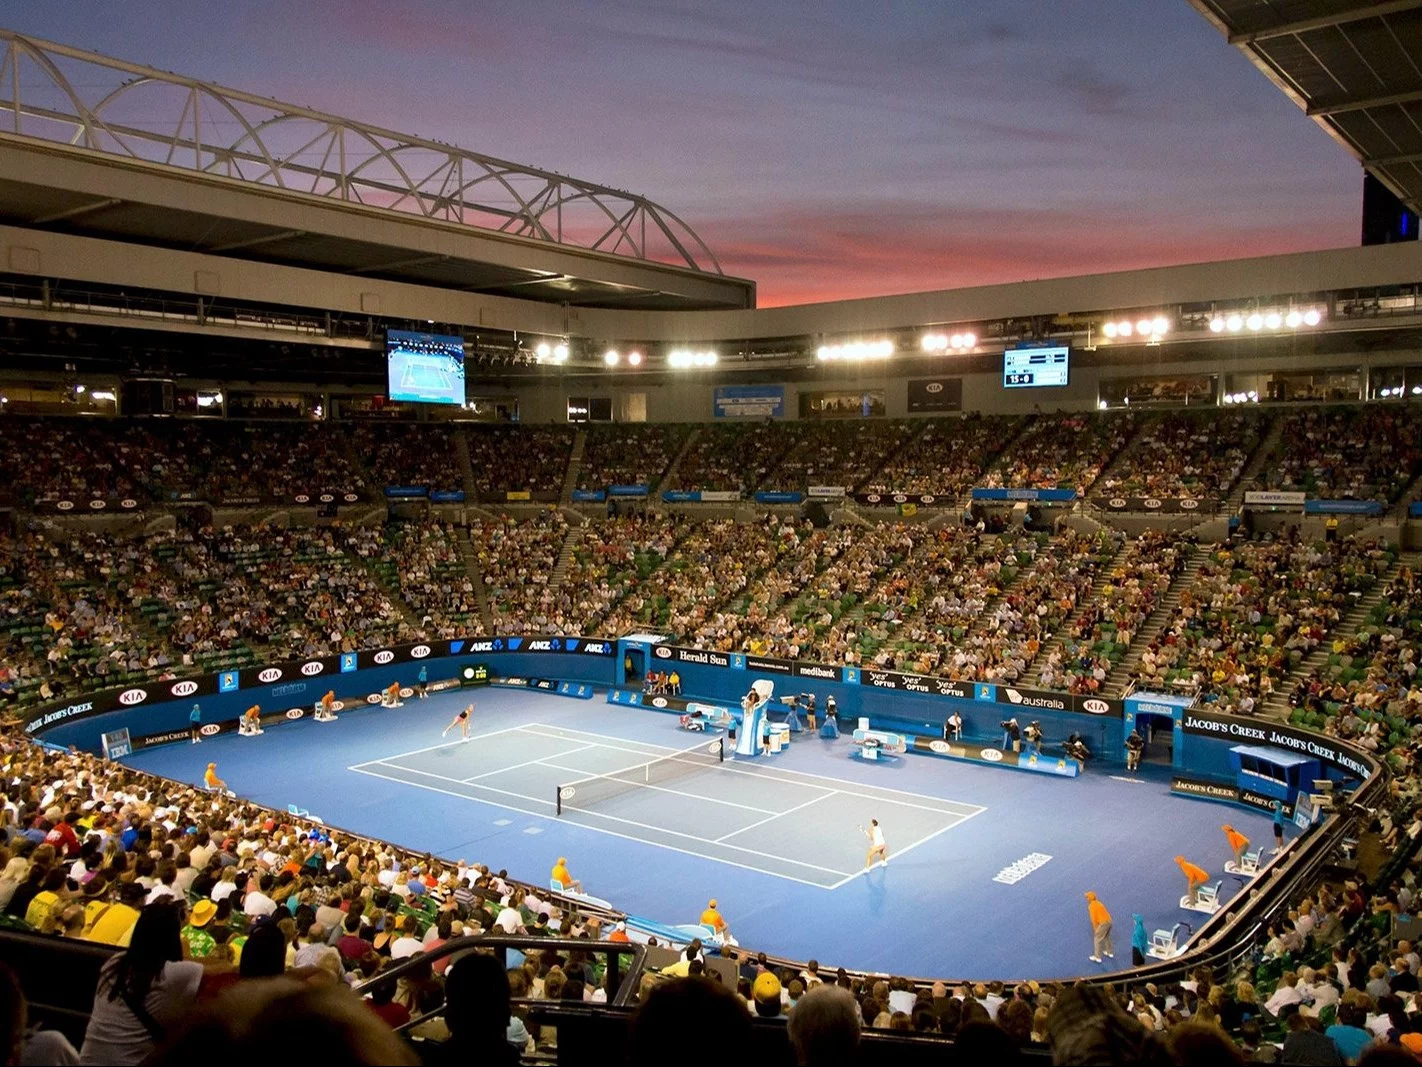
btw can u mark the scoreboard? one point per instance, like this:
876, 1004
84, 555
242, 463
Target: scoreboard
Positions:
1026, 368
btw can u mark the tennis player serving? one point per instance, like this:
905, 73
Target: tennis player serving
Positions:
462, 721
876, 844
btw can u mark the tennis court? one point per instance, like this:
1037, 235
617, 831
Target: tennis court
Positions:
789, 824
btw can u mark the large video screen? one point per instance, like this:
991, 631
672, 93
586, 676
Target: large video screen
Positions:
424, 368
1030, 368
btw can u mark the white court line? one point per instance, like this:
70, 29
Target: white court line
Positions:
595, 829
604, 815
648, 785
911, 847
446, 744
776, 815
516, 766
840, 783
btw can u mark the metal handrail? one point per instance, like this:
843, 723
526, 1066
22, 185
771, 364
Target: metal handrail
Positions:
620, 983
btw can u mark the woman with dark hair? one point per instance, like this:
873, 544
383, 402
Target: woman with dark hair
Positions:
264, 954
143, 993
28, 890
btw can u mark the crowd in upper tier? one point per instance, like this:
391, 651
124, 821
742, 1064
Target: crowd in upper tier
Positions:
1358, 452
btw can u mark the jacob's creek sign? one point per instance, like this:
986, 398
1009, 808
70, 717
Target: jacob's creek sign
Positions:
1255, 731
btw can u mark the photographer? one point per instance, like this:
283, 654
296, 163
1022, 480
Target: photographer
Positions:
1011, 735
1076, 749
1033, 736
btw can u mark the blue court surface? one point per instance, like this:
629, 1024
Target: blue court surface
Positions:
776, 840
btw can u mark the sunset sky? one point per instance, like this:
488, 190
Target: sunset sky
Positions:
826, 150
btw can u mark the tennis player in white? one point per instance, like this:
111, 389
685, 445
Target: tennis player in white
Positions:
876, 844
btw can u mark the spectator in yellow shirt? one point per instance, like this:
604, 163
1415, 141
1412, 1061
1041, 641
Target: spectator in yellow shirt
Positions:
111, 923
562, 876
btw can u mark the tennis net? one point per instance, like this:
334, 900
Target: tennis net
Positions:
596, 788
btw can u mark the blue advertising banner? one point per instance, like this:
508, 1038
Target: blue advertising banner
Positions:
1043, 495
771, 497
749, 401
588, 496
406, 490
447, 496
1342, 507
681, 496
630, 490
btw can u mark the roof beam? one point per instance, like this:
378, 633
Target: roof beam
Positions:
1394, 161
74, 212
252, 242
398, 264
1323, 22
1319, 111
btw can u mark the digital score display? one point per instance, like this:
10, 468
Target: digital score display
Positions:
1029, 368
424, 368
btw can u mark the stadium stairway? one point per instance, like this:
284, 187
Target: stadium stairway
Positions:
466, 467
575, 464
571, 540
470, 555
1130, 448
1122, 558
1398, 511
1277, 706
668, 476
1120, 677
1268, 444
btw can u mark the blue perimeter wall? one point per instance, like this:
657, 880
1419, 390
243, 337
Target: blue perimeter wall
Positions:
227, 707
921, 713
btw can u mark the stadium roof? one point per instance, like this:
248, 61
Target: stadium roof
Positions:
1354, 67
101, 147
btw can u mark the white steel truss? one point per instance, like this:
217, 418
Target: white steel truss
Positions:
69, 96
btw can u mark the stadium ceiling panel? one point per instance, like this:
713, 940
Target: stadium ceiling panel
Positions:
1353, 67
203, 165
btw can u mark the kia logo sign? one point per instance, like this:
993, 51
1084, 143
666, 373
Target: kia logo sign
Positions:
874, 498
295, 713
928, 498
1096, 707
65, 505
350, 498
419, 651
326, 498
992, 755
659, 702
1117, 501
271, 674
941, 747
664, 652
130, 697
97, 505
302, 498
406, 691
1151, 502
210, 729
384, 656
900, 498
1189, 505
314, 667
374, 698
184, 689
128, 503
933, 387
